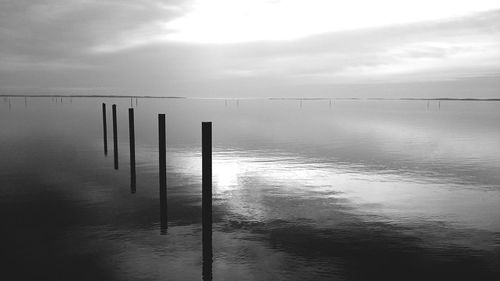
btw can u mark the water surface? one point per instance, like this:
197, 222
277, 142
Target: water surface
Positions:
311, 190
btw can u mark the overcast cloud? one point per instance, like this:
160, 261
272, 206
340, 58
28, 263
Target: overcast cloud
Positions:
141, 47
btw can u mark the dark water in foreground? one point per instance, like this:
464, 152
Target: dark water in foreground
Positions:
361, 190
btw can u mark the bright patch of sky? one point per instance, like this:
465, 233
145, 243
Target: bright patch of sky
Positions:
232, 21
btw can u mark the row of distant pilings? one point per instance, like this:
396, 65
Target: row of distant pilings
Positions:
206, 132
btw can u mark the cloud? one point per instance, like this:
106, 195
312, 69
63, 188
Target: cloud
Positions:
65, 31
454, 48
127, 44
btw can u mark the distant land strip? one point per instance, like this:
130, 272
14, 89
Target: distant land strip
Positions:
249, 98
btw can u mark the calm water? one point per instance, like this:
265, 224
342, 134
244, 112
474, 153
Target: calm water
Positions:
359, 190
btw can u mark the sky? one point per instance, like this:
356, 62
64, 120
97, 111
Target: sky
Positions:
252, 48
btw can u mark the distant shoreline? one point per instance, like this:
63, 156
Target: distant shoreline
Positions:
250, 98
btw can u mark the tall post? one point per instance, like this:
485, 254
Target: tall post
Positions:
206, 151
163, 171
115, 138
104, 129
132, 149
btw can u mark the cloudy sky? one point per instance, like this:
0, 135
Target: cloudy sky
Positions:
252, 48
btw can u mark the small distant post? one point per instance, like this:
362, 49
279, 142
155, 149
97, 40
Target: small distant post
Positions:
206, 150
115, 138
132, 149
163, 172
104, 129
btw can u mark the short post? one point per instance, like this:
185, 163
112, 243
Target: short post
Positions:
206, 151
131, 130
163, 172
104, 129
115, 138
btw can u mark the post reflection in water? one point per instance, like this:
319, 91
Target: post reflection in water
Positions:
207, 255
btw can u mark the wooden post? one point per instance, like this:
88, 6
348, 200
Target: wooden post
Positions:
115, 138
163, 172
132, 149
206, 132
104, 129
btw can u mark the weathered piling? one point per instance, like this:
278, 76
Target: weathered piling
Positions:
104, 129
163, 171
115, 138
206, 132
131, 130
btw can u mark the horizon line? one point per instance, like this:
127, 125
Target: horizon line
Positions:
253, 98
